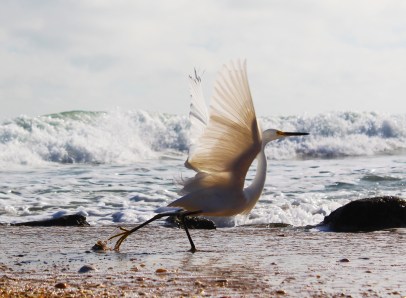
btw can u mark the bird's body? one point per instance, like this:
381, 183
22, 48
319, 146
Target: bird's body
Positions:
213, 202
225, 140
227, 197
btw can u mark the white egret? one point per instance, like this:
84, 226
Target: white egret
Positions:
224, 143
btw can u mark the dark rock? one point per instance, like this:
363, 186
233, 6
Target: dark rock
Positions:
271, 225
278, 225
87, 268
61, 285
368, 214
192, 222
75, 220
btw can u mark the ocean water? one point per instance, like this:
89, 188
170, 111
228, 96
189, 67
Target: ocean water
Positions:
120, 166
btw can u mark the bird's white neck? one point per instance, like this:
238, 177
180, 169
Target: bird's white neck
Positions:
253, 192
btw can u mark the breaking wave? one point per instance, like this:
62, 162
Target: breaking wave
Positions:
121, 137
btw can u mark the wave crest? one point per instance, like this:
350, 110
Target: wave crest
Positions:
131, 136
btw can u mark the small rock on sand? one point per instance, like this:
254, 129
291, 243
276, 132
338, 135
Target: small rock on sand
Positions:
86, 268
100, 246
345, 260
161, 270
61, 285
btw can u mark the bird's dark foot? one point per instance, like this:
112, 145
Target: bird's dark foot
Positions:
122, 236
193, 250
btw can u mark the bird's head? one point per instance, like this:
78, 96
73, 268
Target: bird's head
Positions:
274, 134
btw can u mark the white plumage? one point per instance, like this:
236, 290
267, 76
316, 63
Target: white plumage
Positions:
224, 143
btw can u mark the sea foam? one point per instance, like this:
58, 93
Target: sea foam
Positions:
123, 137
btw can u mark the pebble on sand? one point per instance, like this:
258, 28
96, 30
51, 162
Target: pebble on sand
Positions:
345, 260
86, 268
161, 270
61, 285
100, 246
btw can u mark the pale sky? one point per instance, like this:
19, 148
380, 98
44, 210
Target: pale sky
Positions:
304, 57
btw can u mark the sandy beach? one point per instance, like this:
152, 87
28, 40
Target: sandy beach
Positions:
247, 261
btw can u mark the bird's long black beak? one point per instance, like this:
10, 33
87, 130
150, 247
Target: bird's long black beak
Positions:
289, 134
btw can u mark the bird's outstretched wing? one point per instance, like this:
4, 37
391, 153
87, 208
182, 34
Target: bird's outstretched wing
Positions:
232, 138
198, 115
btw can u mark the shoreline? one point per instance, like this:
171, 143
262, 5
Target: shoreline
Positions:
242, 261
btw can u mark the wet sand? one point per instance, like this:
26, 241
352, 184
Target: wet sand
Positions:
235, 262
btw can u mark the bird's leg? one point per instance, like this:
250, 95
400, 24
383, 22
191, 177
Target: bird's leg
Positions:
126, 232
182, 218
123, 235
